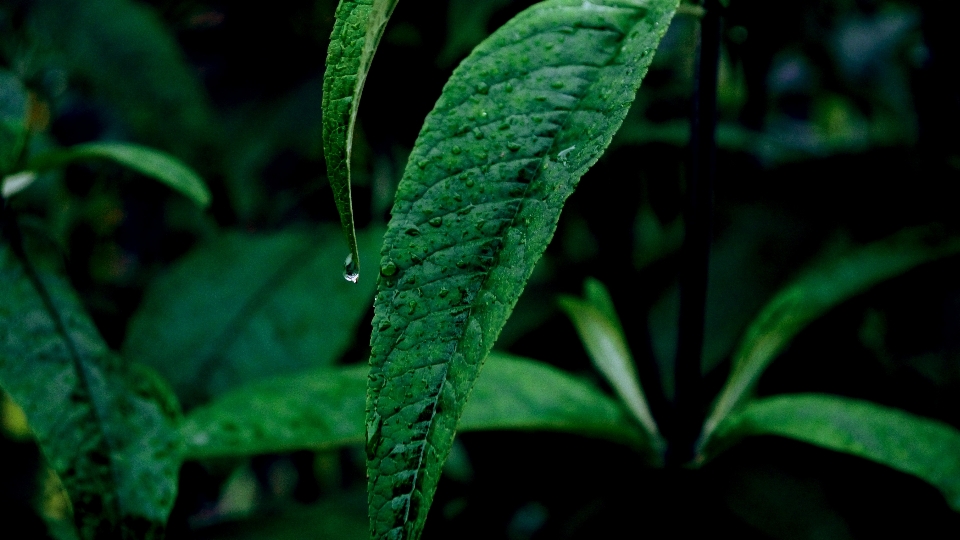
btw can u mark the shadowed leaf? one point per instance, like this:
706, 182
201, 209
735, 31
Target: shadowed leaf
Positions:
245, 306
925, 448
103, 428
356, 34
323, 409
146, 161
517, 125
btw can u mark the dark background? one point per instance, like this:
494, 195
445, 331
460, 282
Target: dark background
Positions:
837, 127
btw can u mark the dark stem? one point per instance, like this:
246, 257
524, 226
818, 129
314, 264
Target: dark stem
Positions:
695, 253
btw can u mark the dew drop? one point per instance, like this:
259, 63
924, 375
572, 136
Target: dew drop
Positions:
443, 293
508, 87
423, 163
504, 126
456, 150
469, 182
462, 264
388, 268
477, 134
412, 231
483, 88
513, 146
556, 84
351, 271
436, 222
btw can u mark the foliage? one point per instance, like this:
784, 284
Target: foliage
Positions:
179, 354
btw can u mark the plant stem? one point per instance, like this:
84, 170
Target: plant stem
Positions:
695, 253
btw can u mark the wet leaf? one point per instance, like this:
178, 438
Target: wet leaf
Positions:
820, 288
246, 306
517, 125
146, 161
925, 448
105, 430
356, 34
602, 335
323, 409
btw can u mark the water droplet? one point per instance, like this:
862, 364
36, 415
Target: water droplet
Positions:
423, 163
436, 222
462, 264
412, 231
456, 150
504, 126
556, 84
469, 182
477, 134
443, 293
513, 146
388, 268
483, 88
541, 98
385, 326
412, 305
508, 87
351, 271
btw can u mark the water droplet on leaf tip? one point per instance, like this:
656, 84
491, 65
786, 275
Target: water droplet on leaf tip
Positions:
351, 271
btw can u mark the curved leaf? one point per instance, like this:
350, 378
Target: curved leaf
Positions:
323, 409
819, 289
356, 34
925, 448
108, 434
524, 116
247, 306
146, 161
600, 331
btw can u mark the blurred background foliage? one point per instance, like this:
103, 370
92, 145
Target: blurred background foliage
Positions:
837, 127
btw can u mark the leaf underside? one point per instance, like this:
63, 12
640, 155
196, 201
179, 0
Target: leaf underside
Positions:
107, 434
146, 161
323, 409
819, 289
517, 125
925, 448
356, 33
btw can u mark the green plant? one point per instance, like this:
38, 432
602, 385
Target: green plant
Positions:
244, 331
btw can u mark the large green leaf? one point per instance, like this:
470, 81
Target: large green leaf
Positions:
107, 431
356, 34
147, 161
121, 51
820, 288
925, 448
517, 125
323, 409
245, 306
602, 335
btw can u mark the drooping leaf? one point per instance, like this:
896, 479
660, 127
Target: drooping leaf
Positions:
356, 34
14, 106
105, 431
820, 288
524, 116
926, 448
130, 61
246, 306
323, 409
602, 335
146, 161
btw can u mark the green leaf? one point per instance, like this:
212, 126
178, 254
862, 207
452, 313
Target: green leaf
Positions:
356, 34
925, 448
517, 125
146, 161
323, 409
819, 289
246, 306
602, 335
103, 430
14, 108
131, 61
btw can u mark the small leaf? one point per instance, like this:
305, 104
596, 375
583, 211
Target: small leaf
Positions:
517, 125
600, 331
323, 409
819, 289
146, 161
14, 108
925, 448
246, 306
104, 431
356, 34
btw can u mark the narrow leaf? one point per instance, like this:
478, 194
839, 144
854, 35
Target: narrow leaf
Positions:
246, 306
106, 432
146, 161
600, 331
819, 289
356, 33
925, 448
323, 409
517, 125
